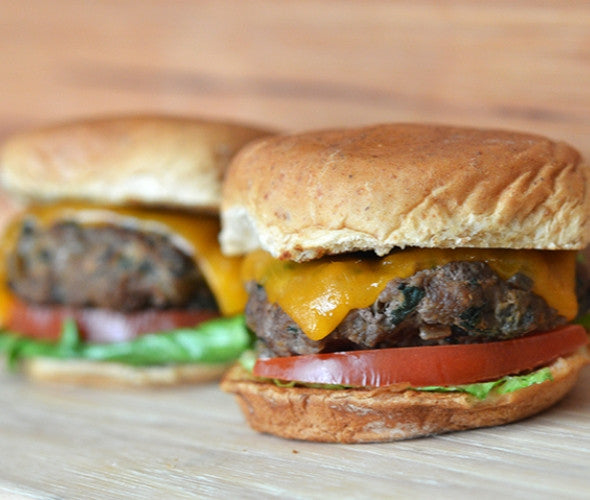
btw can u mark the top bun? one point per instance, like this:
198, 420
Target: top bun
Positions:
377, 188
152, 160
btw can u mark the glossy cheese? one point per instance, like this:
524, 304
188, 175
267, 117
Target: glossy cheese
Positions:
317, 295
195, 234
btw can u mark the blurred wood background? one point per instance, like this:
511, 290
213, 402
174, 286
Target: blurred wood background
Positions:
301, 64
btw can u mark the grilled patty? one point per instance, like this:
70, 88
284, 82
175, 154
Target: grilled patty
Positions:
104, 266
460, 302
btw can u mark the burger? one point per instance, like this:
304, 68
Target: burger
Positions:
112, 273
405, 279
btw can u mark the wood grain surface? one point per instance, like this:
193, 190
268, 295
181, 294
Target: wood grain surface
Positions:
292, 65
65, 442
301, 64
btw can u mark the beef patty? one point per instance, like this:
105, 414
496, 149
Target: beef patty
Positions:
103, 266
460, 302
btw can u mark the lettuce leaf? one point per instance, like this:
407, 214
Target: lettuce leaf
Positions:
504, 385
248, 360
215, 341
584, 320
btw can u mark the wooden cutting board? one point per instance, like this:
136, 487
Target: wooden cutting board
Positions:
66, 442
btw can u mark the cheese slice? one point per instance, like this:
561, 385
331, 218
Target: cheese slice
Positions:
317, 295
195, 234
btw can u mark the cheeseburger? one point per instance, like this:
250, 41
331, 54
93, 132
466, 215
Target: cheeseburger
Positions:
112, 273
406, 280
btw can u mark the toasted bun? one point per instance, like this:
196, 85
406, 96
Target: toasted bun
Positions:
376, 188
103, 374
363, 415
142, 159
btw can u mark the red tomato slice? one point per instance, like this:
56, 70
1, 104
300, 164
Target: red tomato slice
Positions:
98, 325
427, 365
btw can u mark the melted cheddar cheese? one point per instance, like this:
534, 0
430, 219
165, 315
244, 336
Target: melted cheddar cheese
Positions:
194, 234
317, 295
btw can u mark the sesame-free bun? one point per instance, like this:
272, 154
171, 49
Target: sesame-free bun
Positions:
161, 160
396, 185
111, 374
388, 414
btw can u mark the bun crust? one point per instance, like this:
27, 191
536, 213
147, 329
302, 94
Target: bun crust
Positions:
103, 374
376, 188
156, 160
382, 415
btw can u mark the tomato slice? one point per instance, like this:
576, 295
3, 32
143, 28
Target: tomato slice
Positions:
427, 365
98, 325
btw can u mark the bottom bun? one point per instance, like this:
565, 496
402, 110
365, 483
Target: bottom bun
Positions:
107, 374
381, 415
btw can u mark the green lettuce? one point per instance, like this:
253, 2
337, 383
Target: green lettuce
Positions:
584, 320
215, 341
504, 385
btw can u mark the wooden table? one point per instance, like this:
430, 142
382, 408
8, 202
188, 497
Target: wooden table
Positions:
291, 65
64, 442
